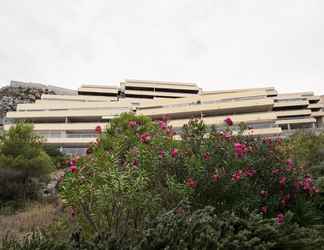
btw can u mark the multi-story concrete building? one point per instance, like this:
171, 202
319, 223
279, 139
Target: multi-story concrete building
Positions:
69, 121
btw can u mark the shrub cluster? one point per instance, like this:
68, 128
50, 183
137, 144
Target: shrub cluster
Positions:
137, 171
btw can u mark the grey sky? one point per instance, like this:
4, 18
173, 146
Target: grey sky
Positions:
218, 44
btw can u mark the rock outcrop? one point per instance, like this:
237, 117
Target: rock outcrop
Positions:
10, 97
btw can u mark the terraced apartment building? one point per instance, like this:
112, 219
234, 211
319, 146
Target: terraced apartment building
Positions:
69, 121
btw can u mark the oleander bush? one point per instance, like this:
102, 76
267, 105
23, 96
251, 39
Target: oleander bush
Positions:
137, 171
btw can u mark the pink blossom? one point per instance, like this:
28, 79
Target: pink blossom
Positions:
284, 201
162, 124
72, 162
132, 124
280, 219
276, 171
290, 164
308, 184
162, 154
237, 175
228, 121
282, 182
264, 210
215, 178
263, 193
191, 183
98, 129
73, 169
249, 172
227, 135
135, 163
206, 156
267, 141
240, 149
145, 137
174, 152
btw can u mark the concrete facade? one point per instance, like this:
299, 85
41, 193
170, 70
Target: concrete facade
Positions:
69, 121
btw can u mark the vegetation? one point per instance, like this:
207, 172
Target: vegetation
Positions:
139, 188
24, 165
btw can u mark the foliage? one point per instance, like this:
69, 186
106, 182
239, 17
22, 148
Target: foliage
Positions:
184, 228
56, 155
305, 148
23, 164
205, 229
137, 170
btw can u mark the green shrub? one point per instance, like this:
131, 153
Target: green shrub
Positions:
23, 164
305, 148
56, 155
184, 228
205, 229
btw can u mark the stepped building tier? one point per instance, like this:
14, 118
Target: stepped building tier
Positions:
69, 121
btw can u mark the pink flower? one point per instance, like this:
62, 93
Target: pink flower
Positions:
72, 162
145, 137
73, 169
263, 193
98, 130
282, 182
163, 124
284, 201
290, 164
162, 154
191, 183
267, 141
228, 121
264, 210
276, 171
280, 219
308, 185
240, 149
215, 178
135, 163
206, 156
132, 124
227, 135
249, 172
237, 175
174, 152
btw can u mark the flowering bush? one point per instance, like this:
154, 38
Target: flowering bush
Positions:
137, 170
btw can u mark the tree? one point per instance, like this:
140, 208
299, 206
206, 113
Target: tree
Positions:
23, 163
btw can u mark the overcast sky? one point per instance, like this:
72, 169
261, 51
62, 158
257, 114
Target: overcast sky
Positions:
219, 44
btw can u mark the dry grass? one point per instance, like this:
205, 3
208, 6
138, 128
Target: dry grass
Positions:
35, 217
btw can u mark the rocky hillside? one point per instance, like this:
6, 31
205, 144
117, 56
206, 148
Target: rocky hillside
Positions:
11, 96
